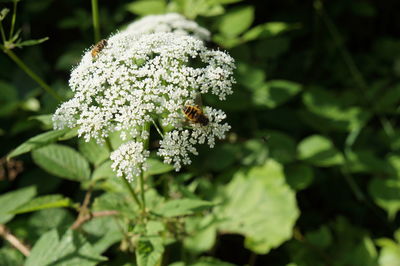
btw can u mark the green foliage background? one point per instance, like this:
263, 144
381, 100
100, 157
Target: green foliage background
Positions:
309, 174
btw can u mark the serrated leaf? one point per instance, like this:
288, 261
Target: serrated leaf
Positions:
69, 249
260, 206
44, 202
12, 200
156, 167
319, 151
62, 161
147, 7
94, 152
236, 21
275, 92
38, 141
181, 207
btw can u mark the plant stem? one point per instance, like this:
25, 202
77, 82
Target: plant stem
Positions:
143, 198
95, 17
13, 18
3, 35
30, 73
133, 194
157, 128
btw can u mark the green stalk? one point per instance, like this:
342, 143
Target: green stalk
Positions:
30, 73
13, 18
96, 23
132, 192
146, 128
3, 35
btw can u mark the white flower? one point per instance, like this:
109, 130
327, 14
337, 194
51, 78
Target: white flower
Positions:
138, 79
171, 22
129, 160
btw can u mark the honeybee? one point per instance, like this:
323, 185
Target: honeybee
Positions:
195, 114
98, 47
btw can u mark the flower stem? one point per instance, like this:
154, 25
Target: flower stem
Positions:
132, 192
13, 18
157, 128
3, 35
95, 17
30, 73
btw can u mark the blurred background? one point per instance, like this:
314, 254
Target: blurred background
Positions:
318, 92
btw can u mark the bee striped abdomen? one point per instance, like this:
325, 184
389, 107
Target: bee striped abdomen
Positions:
195, 115
98, 47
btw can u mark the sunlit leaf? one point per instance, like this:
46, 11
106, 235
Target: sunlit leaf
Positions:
44, 202
38, 141
146, 7
181, 207
94, 152
12, 200
251, 200
156, 167
319, 151
275, 92
236, 21
62, 161
386, 194
69, 249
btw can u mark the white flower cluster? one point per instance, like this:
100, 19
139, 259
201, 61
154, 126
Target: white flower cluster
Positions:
129, 159
138, 79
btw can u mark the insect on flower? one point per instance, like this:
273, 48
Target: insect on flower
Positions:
98, 47
195, 114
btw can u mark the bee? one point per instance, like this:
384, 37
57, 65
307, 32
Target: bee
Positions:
98, 47
195, 114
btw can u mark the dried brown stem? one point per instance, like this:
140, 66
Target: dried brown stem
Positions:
13, 240
87, 217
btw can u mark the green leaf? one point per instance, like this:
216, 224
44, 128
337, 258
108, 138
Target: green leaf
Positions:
386, 194
266, 30
260, 206
281, 146
44, 202
236, 21
12, 200
69, 249
147, 7
181, 207
62, 161
319, 151
275, 93
10, 257
156, 167
202, 233
322, 237
46, 120
100, 238
332, 109
31, 42
390, 251
3, 13
149, 251
104, 171
38, 141
94, 152
299, 176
